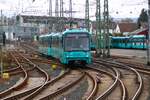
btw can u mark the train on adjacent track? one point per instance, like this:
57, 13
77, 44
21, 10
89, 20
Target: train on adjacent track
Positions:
70, 46
132, 42
129, 42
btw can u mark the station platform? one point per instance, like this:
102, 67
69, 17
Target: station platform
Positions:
137, 55
129, 52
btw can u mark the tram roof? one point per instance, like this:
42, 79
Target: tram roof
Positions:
51, 34
75, 31
133, 36
65, 32
120, 37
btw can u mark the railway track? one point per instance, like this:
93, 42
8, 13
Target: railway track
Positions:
25, 79
36, 90
118, 80
61, 85
138, 66
13, 66
138, 77
114, 74
103, 95
115, 71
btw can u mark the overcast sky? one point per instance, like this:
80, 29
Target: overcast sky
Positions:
117, 8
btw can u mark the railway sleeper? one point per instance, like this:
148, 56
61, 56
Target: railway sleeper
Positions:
98, 79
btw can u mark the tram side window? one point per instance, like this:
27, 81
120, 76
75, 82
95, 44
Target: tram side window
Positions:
49, 41
135, 41
55, 42
60, 42
125, 42
115, 41
44, 42
40, 41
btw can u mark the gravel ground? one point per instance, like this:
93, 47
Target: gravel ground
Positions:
147, 88
9, 83
78, 93
50, 71
5, 84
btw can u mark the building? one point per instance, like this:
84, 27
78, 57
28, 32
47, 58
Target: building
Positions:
125, 28
112, 27
28, 26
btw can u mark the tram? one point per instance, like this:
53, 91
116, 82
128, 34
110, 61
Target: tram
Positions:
70, 46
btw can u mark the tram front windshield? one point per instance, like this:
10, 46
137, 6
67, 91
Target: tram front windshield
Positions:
76, 42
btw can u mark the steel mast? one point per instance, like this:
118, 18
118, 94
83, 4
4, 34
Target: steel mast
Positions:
70, 8
98, 29
61, 8
56, 8
106, 47
87, 23
50, 7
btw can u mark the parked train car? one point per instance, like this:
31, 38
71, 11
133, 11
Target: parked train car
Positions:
100, 43
132, 42
70, 46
